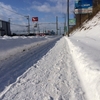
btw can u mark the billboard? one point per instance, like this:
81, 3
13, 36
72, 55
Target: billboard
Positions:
83, 6
34, 19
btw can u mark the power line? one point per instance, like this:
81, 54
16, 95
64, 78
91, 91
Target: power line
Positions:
19, 31
13, 11
48, 23
19, 25
12, 18
20, 15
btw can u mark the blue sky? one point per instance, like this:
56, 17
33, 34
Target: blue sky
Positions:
46, 10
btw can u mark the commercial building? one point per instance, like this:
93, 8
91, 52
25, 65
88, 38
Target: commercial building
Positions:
5, 28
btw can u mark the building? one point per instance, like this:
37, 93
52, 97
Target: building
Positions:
5, 28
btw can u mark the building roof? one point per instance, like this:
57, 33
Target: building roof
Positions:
4, 21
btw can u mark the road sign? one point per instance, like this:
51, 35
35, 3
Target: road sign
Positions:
83, 6
72, 21
65, 29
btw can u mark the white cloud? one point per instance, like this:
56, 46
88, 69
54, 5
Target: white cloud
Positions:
60, 6
6, 12
43, 8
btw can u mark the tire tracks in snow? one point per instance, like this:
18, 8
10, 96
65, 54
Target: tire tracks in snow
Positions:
16, 65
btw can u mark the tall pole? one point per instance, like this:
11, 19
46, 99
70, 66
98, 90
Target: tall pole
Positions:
57, 25
38, 27
65, 24
28, 24
68, 17
9, 24
64, 20
60, 30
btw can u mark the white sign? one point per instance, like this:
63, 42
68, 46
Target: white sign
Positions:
84, 11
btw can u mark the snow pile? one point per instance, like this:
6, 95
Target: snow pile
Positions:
9, 46
85, 48
88, 70
90, 29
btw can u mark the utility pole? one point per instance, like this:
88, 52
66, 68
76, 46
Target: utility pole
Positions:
38, 27
9, 24
60, 30
65, 24
45, 30
68, 17
57, 25
28, 24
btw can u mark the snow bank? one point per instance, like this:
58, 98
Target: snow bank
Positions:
84, 44
11, 45
90, 29
88, 76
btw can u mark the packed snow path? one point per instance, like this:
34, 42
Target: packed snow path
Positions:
52, 78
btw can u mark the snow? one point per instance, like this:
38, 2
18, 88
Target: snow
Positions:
13, 45
85, 49
15, 65
52, 78
68, 70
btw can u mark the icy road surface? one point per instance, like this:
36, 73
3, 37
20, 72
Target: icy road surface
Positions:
53, 77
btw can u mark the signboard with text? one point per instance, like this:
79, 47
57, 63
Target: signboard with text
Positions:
65, 28
83, 6
72, 21
34, 19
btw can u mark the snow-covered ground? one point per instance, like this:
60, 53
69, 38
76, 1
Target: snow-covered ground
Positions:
52, 78
19, 58
84, 46
12, 45
69, 70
